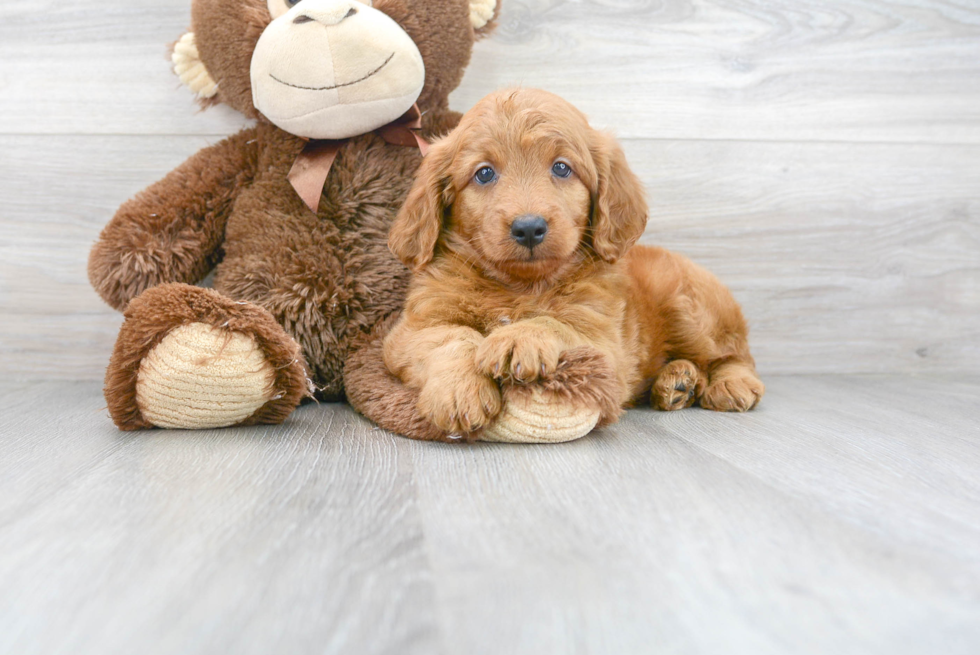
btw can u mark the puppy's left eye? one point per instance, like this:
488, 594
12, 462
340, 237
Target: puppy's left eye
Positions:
485, 175
561, 169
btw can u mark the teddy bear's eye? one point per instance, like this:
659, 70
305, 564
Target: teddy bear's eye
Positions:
293, 3
561, 169
485, 175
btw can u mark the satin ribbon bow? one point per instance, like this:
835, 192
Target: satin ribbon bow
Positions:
312, 166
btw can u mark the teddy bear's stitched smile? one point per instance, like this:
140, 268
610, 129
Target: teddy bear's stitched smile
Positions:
335, 86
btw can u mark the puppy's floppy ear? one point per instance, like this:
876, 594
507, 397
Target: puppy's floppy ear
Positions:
416, 229
619, 209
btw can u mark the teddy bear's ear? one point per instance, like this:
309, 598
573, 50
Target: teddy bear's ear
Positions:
191, 70
482, 15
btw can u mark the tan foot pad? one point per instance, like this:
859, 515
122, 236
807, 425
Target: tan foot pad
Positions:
203, 377
536, 418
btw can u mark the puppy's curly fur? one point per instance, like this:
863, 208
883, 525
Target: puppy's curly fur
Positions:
488, 305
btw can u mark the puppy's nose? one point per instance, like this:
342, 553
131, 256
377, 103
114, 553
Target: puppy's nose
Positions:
529, 231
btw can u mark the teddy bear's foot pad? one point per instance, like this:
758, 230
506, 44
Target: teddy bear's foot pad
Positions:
581, 394
199, 376
191, 358
536, 418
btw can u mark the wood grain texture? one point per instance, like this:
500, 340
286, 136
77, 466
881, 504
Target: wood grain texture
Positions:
88, 67
839, 70
810, 526
842, 516
865, 70
847, 258
750, 122
297, 539
60, 192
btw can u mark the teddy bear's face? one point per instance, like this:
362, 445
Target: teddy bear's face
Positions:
329, 69
306, 65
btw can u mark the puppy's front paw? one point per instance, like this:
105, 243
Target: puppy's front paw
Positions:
461, 403
521, 353
733, 389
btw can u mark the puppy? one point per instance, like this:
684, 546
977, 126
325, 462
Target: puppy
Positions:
520, 229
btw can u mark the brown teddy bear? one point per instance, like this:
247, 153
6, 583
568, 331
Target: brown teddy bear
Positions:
287, 280
292, 214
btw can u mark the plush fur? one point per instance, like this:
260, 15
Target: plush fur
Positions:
579, 379
327, 278
151, 316
486, 311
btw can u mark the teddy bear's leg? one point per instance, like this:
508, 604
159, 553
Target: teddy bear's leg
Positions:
583, 392
191, 358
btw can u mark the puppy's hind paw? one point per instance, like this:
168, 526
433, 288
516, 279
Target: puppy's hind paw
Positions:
733, 389
679, 384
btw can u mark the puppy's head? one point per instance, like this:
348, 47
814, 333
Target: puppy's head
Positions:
523, 188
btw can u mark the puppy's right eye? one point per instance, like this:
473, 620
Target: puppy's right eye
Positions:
561, 169
485, 175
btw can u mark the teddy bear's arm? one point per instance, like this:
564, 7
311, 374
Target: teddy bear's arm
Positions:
172, 231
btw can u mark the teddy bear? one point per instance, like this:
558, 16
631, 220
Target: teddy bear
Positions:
292, 216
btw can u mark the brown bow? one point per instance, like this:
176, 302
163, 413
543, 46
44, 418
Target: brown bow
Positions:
312, 166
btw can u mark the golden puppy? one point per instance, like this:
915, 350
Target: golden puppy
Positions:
520, 229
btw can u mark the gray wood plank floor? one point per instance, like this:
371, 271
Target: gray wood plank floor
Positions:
841, 517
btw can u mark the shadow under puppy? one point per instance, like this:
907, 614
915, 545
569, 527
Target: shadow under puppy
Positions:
520, 229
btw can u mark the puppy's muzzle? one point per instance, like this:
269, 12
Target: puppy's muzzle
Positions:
529, 231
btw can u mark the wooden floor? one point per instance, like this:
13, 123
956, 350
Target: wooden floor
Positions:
841, 517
